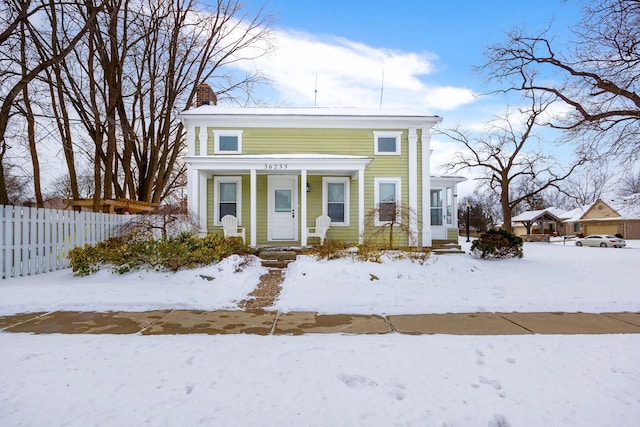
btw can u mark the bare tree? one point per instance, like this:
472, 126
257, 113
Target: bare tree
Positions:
629, 184
506, 156
597, 75
139, 66
387, 220
589, 183
16, 20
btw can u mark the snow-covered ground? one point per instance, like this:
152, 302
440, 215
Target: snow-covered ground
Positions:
550, 277
334, 380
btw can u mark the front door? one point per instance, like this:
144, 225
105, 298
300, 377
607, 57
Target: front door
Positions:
282, 203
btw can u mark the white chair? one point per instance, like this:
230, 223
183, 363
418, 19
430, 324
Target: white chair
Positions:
230, 227
320, 230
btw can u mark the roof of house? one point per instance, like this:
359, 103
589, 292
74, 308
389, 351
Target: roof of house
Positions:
628, 207
310, 116
304, 111
549, 214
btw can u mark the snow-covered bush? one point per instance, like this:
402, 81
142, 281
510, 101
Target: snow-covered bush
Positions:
497, 244
122, 254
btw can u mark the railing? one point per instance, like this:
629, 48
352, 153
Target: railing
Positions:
36, 240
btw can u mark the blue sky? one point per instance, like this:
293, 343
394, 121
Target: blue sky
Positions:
443, 39
426, 50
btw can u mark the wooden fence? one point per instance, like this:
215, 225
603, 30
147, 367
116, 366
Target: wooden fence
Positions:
35, 240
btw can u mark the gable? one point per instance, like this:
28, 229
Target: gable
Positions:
600, 210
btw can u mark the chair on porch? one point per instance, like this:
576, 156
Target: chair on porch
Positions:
320, 230
231, 229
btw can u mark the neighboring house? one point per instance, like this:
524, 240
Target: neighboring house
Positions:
615, 216
277, 169
612, 216
542, 221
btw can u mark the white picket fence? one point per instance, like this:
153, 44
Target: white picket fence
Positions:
36, 240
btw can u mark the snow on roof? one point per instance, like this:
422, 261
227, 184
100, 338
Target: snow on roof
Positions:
628, 207
304, 111
533, 215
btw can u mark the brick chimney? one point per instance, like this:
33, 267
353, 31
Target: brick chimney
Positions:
205, 95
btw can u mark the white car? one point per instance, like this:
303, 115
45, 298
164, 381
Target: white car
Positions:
602, 240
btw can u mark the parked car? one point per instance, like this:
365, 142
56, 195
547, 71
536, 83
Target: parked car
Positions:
602, 240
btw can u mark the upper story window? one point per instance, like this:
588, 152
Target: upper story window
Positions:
335, 199
228, 141
387, 143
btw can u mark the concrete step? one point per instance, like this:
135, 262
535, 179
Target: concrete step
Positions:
274, 263
278, 255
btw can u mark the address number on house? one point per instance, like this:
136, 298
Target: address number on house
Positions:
276, 166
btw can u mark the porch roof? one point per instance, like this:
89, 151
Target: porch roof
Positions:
314, 164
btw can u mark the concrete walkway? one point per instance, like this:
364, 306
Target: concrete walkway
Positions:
261, 322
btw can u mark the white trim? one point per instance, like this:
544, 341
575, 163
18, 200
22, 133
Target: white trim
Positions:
347, 197
216, 197
254, 213
334, 118
202, 202
218, 133
360, 206
303, 207
376, 195
286, 163
387, 134
203, 140
426, 188
413, 187
190, 136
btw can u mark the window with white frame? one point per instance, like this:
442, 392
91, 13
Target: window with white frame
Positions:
387, 200
227, 141
387, 143
227, 197
335, 199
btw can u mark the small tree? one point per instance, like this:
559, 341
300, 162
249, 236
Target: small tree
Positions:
167, 220
388, 219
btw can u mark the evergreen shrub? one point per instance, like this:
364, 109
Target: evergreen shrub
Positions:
497, 244
135, 251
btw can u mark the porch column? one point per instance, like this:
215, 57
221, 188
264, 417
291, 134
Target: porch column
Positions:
303, 207
202, 199
426, 188
192, 190
360, 206
253, 215
413, 187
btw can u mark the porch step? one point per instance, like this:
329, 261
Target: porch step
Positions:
446, 247
278, 257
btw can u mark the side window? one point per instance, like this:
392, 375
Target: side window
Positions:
227, 141
387, 199
335, 199
227, 197
387, 143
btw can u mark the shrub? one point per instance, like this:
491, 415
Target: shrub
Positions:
497, 244
368, 251
123, 254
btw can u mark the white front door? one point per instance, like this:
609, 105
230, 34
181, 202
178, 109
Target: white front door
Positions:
282, 203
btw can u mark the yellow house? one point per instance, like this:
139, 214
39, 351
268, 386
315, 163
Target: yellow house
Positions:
277, 169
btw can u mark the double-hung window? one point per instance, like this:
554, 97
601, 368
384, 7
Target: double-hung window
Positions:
387, 200
228, 141
335, 199
227, 197
387, 143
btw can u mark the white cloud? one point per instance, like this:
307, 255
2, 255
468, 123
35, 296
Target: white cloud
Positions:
351, 74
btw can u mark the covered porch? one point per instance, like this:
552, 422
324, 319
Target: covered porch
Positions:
277, 197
